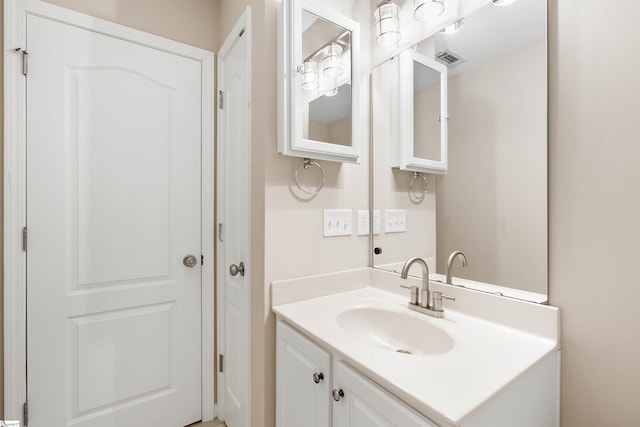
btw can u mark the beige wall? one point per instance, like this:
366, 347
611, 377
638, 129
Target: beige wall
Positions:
594, 207
492, 203
189, 21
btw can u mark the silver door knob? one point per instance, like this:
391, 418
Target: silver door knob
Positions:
235, 269
317, 377
189, 261
337, 394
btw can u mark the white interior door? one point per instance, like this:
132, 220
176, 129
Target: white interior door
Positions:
233, 209
113, 202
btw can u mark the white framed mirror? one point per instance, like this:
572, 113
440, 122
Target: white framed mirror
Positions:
420, 143
319, 61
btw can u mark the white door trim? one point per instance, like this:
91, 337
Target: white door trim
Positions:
15, 14
242, 28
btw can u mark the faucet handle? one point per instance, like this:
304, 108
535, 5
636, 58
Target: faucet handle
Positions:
437, 300
414, 294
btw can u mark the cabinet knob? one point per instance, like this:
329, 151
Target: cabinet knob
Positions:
317, 377
337, 394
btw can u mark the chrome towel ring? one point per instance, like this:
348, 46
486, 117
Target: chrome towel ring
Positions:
417, 196
306, 163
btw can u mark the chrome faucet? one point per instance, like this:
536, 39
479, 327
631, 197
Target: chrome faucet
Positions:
425, 294
452, 257
426, 303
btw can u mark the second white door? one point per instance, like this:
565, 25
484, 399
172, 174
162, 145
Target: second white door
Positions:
233, 210
113, 201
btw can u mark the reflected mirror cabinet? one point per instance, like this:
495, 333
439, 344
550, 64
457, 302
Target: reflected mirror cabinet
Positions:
409, 103
476, 182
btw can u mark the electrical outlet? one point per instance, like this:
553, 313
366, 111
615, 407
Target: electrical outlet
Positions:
395, 221
363, 223
337, 222
376, 223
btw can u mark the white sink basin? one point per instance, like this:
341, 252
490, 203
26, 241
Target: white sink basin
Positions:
395, 332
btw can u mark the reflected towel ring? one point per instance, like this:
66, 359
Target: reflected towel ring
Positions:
305, 164
418, 197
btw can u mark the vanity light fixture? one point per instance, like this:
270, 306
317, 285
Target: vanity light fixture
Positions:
453, 28
310, 77
427, 9
331, 62
387, 16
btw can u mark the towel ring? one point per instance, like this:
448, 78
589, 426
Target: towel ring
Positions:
417, 197
305, 163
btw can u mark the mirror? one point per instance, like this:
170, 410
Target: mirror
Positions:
319, 61
427, 135
492, 202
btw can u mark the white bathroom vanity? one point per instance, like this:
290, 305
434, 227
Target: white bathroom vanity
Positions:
351, 353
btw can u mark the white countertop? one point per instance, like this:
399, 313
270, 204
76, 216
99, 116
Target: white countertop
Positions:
486, 358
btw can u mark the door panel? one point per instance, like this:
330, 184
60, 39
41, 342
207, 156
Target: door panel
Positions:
233, 244
106, 105
113, 202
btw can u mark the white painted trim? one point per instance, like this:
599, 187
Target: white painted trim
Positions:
208, 240
15, 14
244, 22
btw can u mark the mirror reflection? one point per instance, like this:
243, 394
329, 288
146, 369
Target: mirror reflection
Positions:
426, 112
492, 203
326, 80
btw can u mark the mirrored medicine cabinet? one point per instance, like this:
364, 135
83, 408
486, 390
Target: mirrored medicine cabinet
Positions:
319, 88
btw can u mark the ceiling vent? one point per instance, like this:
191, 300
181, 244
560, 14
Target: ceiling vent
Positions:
449, 59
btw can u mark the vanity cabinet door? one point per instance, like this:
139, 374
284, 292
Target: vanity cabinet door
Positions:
363, 404
303, 380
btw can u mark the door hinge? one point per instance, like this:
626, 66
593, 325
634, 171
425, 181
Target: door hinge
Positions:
220, 232
220, 363
25, 414
25, 62
25, 59
25, 237
241, 33
201, 259
220, 100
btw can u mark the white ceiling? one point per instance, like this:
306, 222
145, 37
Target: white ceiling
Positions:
493, 31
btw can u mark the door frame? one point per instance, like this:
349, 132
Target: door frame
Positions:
15, 163
242, 28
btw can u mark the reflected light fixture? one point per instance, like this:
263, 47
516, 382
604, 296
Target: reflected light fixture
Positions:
331, 92
427, 9
331, 62
332, 83
310, 77
452, 28
387, 16
502, 2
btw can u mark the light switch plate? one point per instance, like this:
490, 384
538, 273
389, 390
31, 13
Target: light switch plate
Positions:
395, 221
337, 222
